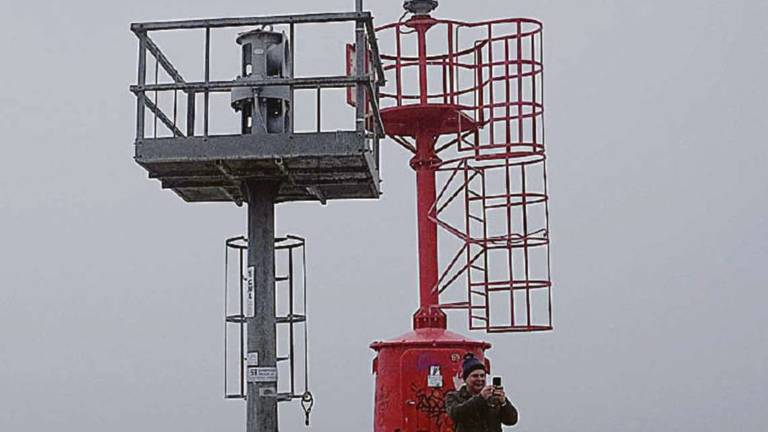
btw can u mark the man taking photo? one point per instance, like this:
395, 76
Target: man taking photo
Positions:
475, 406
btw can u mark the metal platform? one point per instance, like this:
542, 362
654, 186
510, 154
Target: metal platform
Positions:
175, 144
309, 166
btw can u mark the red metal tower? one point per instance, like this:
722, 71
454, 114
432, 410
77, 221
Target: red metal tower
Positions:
466, 100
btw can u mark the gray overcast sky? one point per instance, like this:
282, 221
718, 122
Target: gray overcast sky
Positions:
110, 288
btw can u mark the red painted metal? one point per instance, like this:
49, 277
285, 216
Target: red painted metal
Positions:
425, 162
471, 112
474, 119
405, 401
443, 119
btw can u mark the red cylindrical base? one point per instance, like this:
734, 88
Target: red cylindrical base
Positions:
413, 374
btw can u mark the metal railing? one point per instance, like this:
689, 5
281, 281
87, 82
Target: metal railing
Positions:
366, 82
492, 201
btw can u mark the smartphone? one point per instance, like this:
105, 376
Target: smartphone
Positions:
497, 381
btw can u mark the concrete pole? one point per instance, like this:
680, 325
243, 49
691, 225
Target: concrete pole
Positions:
262, 390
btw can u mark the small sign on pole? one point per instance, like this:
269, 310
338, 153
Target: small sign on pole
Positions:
262, 374
435, 379
250, 311
253, 359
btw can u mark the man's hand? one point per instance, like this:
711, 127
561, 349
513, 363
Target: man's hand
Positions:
486, 392
499, 395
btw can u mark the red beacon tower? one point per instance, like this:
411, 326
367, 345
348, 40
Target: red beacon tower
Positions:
466, 100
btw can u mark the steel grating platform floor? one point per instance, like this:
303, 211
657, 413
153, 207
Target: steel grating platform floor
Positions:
309, 166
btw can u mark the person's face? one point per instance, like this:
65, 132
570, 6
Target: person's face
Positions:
475, 381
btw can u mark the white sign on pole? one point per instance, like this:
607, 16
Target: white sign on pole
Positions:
250, 310
262, 374
434, 379
253, 358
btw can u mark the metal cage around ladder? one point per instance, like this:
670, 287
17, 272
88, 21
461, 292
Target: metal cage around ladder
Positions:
474, 120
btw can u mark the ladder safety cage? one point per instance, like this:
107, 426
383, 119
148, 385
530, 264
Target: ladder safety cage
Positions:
291, 319
485, 88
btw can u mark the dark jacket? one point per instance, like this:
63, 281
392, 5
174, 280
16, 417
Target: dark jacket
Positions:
472, 413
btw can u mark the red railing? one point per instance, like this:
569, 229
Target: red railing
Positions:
486, 79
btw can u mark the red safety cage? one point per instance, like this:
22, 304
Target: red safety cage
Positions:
477, 89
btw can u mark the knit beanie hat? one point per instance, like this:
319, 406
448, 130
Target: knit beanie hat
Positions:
471, 363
